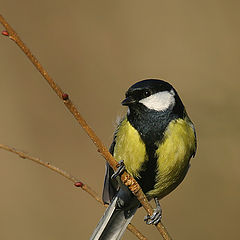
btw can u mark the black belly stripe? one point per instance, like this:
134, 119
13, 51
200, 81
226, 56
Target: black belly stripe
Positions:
147, 178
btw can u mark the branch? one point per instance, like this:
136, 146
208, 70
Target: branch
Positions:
126, 178
76, 181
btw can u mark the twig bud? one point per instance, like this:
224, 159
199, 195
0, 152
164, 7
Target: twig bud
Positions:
5, 33
78, 184
65, 96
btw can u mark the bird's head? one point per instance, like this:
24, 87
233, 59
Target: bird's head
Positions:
151, 94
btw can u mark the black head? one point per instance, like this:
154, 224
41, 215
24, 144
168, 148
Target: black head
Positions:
152, 95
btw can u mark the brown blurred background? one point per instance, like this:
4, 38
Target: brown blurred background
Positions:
95, 50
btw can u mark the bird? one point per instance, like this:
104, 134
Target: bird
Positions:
154, 143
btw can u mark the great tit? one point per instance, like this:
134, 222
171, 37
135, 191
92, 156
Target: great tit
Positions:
154, 142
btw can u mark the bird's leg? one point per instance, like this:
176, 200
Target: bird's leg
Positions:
120, 169
155, 218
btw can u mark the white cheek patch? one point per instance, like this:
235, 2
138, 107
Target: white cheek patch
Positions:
159, 101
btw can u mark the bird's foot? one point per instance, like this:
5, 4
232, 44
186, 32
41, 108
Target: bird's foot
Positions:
120, 169
156, 217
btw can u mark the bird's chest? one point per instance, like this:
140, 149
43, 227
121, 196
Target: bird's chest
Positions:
130, 148
173, 155
158, 166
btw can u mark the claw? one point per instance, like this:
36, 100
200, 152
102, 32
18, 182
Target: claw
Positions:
120, 169
156, 217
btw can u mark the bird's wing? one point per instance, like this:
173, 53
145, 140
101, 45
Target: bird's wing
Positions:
110, 187
194, 130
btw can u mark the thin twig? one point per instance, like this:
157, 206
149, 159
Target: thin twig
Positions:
73, 179
126, 178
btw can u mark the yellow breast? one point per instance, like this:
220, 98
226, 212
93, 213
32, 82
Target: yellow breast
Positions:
130, 148
173, 154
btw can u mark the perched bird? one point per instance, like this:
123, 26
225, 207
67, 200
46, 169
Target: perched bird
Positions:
154, 142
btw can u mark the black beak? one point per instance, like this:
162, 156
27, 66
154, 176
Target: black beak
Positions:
128, 101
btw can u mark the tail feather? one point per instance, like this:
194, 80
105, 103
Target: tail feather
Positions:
113, 223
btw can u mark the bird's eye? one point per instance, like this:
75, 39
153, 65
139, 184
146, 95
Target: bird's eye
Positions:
146, 93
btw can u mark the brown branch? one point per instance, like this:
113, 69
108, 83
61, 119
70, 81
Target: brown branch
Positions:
73, 179
126, 178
